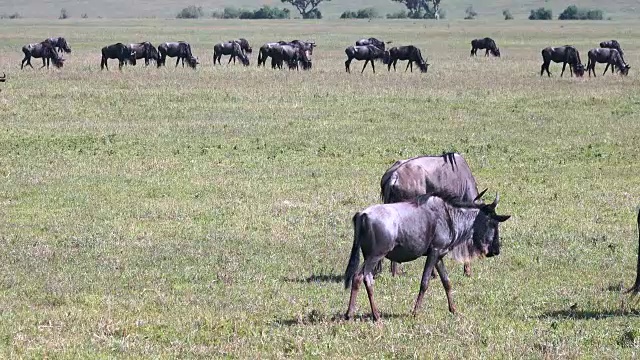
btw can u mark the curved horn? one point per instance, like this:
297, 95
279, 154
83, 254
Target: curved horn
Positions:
481, 194
495, 202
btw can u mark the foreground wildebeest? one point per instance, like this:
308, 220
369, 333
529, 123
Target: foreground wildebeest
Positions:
369, 53
410, 53
292, 55
372, 41
431, 225
180, 49
59, 43
267, 50
407, 179
232, 48
144, 50
608, 56
635, 289
486, 43
118, 51
43, 50
566, 55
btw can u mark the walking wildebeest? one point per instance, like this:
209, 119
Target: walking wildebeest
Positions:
118, 51
59, 43
43, 50
180, 49
431, 225
144, 50
635, 289
410, 53
369, 53
486, 43
608, 56
372, 41
566, 55
407, 179
229, 48
291, 54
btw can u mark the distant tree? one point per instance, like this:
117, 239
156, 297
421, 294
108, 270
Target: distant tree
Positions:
470, 13
507, 14
307, 8
541, 14
422, 9
575, 13
190, 12
63, 14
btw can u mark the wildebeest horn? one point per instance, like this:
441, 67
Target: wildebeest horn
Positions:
481, 194
495, 202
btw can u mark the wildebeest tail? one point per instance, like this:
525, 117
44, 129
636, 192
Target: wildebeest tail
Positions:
359, 228
635, 290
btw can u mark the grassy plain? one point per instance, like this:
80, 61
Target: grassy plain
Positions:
177, 213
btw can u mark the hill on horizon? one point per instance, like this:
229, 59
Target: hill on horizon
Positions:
455, 9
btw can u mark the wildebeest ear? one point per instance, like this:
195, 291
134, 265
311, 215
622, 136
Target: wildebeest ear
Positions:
501, 218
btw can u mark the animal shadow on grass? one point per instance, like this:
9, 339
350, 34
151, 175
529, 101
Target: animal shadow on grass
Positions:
318, 278
315, 317
588, 315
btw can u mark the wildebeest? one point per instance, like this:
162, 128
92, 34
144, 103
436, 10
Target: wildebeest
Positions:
59, 43
180, 49
43, 50
635, 289
229, 48
613, 44
407, 179
118, 51
266, 50
410, 53
308, 46
369, 53
244, 45
608, 56
144, 50
431, 225
372, 41
566, 55
291, 54
486, 43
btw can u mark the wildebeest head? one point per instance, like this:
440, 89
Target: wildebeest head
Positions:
485, 228
625, 70
579, 70
62, 43
192, 61
495, 52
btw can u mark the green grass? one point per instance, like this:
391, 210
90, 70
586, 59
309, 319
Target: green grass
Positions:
455, 9
178, 213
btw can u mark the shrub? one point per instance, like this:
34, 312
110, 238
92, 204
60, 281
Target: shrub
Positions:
366, 13
575, 13
63, 14
265, 12
312, 14
470, 13
507, 14
15, 15
541, 14
190, 12
402, 14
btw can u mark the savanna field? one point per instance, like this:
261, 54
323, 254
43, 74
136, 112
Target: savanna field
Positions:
172, 213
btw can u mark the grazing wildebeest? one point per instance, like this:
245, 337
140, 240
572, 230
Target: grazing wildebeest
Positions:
566, 55
410, 53
144, 50
181, 50
229, 48
608, 56
267, 50
59, 43
244, 45
369, 53
486, 43
305, 45
635, 289
613, 44
118, 51
291, 54
431, 225
372, 41
43, 50
407, 179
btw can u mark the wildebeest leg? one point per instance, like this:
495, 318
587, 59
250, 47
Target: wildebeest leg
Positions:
178, 62
232, 57
26, 57
355, 287
368, 284
472, 52
395, 61
395, 268
444, 277
564, 65
347, 64
486, 53
365, 65
467, 268
606, 68
44, 62
373, 67
432, 259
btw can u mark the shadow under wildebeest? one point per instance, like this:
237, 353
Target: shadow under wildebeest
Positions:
368, 53
607, 56
566, 54
486, 43
410, 53
314, 317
